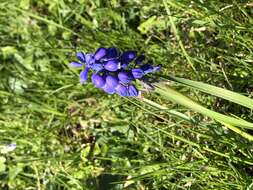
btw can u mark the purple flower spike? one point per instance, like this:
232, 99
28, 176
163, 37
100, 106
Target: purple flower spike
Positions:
98, 80
125, 77
112, 53
122, 90
113, 71
112, 81
108, 89
128, 56
84, 75
100, 53
76, 64
140, 59
80, 56
132, 90
137, 73
111, 65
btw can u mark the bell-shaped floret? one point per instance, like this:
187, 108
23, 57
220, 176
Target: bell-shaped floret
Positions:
140, 59
108, 89
84, 75
76, 64
98, 80
137, 73
112, 81
122, 90
132, 90
128, 56
111, 65
80, 56
125, 77
112, 53
147, 68
100, 53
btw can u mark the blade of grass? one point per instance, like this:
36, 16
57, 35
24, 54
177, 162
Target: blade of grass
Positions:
175, 31
183, 116
216, 91
235, 129
179, 98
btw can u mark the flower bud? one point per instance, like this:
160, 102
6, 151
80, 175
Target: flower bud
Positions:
147, 68
76, 64
132, 90
84, 75
108, 89
140, 59
111, 65
128, 56
98, 80
100, 53
137, 73
80, 56
123, 64
122, 90
112, 53
157, 68
111, 81
125, 77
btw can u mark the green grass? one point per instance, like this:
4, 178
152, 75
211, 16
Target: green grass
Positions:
71, 136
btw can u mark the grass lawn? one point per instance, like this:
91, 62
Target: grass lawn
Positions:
58, 134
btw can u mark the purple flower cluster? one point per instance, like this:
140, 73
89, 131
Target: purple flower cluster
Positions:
113, 71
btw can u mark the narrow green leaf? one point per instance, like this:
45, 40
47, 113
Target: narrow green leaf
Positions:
217, 91
183, 116
179, 98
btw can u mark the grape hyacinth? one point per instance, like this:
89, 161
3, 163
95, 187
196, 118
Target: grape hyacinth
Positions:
114, 72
